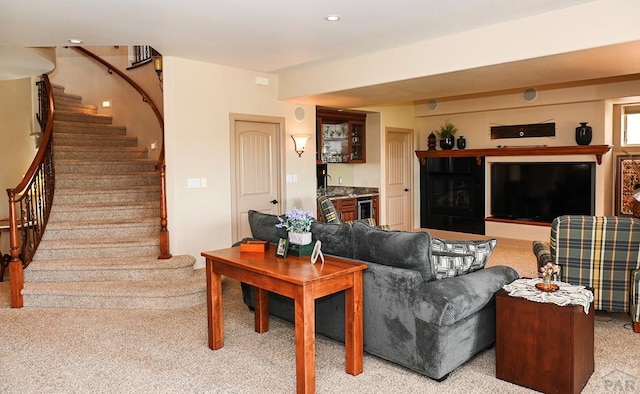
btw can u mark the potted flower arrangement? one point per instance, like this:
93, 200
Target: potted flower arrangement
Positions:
298, 224
546, 273
446, 135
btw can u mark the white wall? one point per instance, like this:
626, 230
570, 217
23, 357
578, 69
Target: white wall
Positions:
198, 100
584, 26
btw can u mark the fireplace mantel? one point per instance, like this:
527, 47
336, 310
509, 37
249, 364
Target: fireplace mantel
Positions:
597, 150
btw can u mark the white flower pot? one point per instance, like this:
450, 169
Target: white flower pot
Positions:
303, 238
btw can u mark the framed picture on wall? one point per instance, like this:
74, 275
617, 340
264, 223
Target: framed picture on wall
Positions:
627, 177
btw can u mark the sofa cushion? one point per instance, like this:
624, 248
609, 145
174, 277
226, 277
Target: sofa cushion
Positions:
263, 226
445, 302
393, 248
335, 238
456, 257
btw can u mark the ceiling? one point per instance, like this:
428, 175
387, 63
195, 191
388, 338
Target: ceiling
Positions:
277, 35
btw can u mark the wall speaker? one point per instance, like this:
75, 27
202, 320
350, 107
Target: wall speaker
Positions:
299, 114
530, 94
524, 131
432, 105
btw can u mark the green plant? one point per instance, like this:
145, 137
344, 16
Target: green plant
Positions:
447, 130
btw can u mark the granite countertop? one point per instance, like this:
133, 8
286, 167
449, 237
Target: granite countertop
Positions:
336, 192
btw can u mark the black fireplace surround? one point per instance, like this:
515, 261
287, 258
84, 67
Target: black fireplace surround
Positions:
452, 194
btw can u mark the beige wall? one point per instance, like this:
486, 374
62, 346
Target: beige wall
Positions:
85, 77
17, 120
198, 100
565, 107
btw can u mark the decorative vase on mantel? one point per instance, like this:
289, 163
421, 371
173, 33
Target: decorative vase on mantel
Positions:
431, 141
583, 134
300, 238
447, 142
461, 143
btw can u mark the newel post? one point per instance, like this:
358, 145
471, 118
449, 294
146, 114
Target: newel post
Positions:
164, 232
16, 274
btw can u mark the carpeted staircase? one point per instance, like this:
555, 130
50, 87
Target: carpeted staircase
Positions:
100, 248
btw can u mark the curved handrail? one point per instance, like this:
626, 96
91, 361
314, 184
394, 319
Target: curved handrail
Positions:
160, 164
34, 194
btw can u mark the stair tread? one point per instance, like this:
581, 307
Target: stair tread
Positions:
125, 289
106, 206
126, 174
91, 136
93, 243
99, 148
102, 190
113, 263
59, 225
64, 112
88, 125
101, 160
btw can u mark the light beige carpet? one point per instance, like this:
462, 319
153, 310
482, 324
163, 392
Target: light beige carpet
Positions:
133, 351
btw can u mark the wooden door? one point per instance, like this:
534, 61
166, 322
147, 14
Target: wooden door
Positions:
399, 178
256, 170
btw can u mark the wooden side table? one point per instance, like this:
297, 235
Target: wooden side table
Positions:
543, 346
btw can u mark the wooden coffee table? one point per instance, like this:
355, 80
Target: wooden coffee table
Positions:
297, 278
543, 346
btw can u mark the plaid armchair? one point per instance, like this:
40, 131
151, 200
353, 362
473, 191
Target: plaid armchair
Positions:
599, 252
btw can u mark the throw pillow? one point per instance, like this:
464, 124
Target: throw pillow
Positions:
263, 226
393, 248
452, 257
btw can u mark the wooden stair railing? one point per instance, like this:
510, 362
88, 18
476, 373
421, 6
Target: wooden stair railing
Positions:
160, 165
30, 201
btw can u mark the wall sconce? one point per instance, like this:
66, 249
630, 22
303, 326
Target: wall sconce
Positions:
300, 142
157, 65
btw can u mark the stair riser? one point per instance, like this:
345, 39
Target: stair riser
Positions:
82, 233
79, 108
67, 140
74, 182
113, 302
106, 251
92, 198
106, 154
106, 275
63, 116
64, 98
104, 214
102, 168
82, 128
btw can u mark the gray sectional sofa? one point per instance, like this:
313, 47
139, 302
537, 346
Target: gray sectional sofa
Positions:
411, 318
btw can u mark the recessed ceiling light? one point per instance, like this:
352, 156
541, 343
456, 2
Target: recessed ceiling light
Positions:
332, 18
75, 41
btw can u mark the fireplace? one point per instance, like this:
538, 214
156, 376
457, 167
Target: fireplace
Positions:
452, 194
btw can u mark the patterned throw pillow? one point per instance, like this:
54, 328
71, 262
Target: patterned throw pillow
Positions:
452, 257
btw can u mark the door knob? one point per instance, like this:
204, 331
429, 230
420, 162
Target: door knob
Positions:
274, 202
406, 190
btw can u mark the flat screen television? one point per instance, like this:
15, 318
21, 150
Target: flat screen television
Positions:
541, 192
